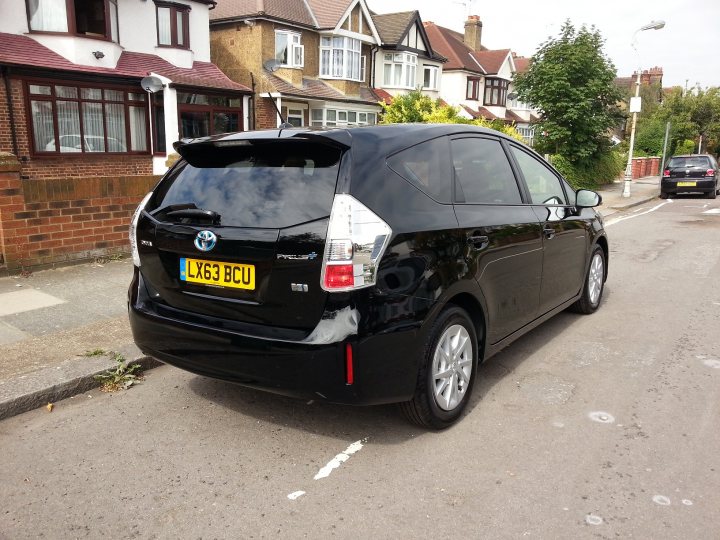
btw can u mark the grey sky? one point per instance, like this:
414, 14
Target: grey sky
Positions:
687, 48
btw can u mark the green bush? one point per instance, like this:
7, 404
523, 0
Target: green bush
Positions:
684, 147
604, 169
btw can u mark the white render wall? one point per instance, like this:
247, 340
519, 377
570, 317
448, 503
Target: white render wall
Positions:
137, 29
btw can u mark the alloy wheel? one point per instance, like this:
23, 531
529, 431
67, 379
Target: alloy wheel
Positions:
452, 367
595, 278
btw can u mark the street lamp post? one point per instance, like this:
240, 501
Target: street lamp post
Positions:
654, 25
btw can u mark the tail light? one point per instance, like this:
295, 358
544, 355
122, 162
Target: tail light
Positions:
133, 229
356, 240
710, 172
666, 172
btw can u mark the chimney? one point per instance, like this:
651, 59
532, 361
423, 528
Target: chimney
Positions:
473, 32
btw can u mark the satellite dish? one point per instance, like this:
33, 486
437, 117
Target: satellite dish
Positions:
512, 95
271, 65
151, 84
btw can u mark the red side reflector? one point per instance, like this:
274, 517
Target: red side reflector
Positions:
338, 276
349, 374
666, 172
710, 172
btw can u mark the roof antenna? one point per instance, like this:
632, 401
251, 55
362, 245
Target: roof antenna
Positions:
284, 123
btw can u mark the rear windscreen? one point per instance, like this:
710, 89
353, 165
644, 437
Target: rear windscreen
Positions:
691, 162
274, 184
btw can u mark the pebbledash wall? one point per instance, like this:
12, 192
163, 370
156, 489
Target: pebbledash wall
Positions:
59, 210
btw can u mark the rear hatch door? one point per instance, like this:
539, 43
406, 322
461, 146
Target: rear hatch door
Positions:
237, 231
689, 167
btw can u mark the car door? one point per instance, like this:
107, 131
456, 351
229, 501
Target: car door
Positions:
503, 236
566, 235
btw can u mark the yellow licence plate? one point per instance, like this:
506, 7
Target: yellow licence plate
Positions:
687, 184
222, 274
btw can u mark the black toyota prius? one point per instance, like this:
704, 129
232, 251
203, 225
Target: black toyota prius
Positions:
365, 266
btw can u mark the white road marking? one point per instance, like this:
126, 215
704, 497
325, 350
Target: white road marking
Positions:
295, 494
338, 460
618, 220
712, 211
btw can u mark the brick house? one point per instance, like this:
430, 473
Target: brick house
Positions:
309, 58
479, 80
81, 140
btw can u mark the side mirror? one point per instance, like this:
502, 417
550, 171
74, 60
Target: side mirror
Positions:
586, 198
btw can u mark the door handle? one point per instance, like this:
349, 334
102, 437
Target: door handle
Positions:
549, 233
478, 242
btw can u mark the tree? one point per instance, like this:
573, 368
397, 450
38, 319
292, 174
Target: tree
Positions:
417, 107
570, 82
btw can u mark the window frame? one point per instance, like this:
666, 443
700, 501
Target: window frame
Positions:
493, 84
52, 98
210, 109
474, 94
407, 65
434, 76
291, 48
348, 51
71, 21
175, 10
324, 122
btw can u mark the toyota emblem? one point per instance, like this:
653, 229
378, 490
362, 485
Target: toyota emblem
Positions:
205, 240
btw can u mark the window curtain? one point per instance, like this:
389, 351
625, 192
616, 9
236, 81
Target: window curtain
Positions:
48, 15
43, 129
164, 37
115, 122
138, 133
69, 127
93, 127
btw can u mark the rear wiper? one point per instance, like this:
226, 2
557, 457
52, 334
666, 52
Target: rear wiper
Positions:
172, 207
195, 214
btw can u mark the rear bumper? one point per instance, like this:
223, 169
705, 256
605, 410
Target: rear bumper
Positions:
384, 365
701, 185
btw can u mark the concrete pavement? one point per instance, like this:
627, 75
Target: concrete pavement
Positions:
51, 320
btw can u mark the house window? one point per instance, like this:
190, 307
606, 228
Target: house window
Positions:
206, 114
399, 70
340, 58
173, 25
495, 92
473, 88
288, 50
88, 18
430, 77
67, 118
335, 117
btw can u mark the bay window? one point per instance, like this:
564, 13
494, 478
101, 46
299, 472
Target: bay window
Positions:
399, 70
208, 114
340, 117
495, 91
88, 18
68, 118
340, 58
288, 51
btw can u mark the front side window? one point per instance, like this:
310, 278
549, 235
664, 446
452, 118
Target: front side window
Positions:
288, 50
88, 18
473, 88
340, 58
173, 25
543, 184
399, 70
431, 75
496, 92
483, 172
67, 118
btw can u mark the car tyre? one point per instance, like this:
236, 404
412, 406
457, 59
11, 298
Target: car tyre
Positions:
594, 284
663, 195
712, 194
447, 371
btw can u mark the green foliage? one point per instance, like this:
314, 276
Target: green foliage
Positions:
94, 352
571, 83
120, 378
419, 108
608, 166
685, 147
649, 137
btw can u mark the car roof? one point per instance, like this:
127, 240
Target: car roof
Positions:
392, 137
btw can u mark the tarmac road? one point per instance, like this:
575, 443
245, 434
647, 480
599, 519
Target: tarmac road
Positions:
589, 426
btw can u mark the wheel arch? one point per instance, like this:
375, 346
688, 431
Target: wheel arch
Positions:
474, 309
603, 243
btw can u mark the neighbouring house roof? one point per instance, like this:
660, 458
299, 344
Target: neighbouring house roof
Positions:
393, 27
450, 44
384, 96
317, 89
328, 12
23, 51
491, 61
510, 116
296, 11
521, 64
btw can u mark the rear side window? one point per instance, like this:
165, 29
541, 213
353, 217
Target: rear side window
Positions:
700, 162
266, 184
426, 166
483, 172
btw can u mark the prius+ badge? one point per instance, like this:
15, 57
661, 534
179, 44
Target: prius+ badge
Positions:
308, 257
299, 287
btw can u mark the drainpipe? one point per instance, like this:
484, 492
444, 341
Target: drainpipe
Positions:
252, 101
8, 99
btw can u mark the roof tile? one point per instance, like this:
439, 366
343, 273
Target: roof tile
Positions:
289, 10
